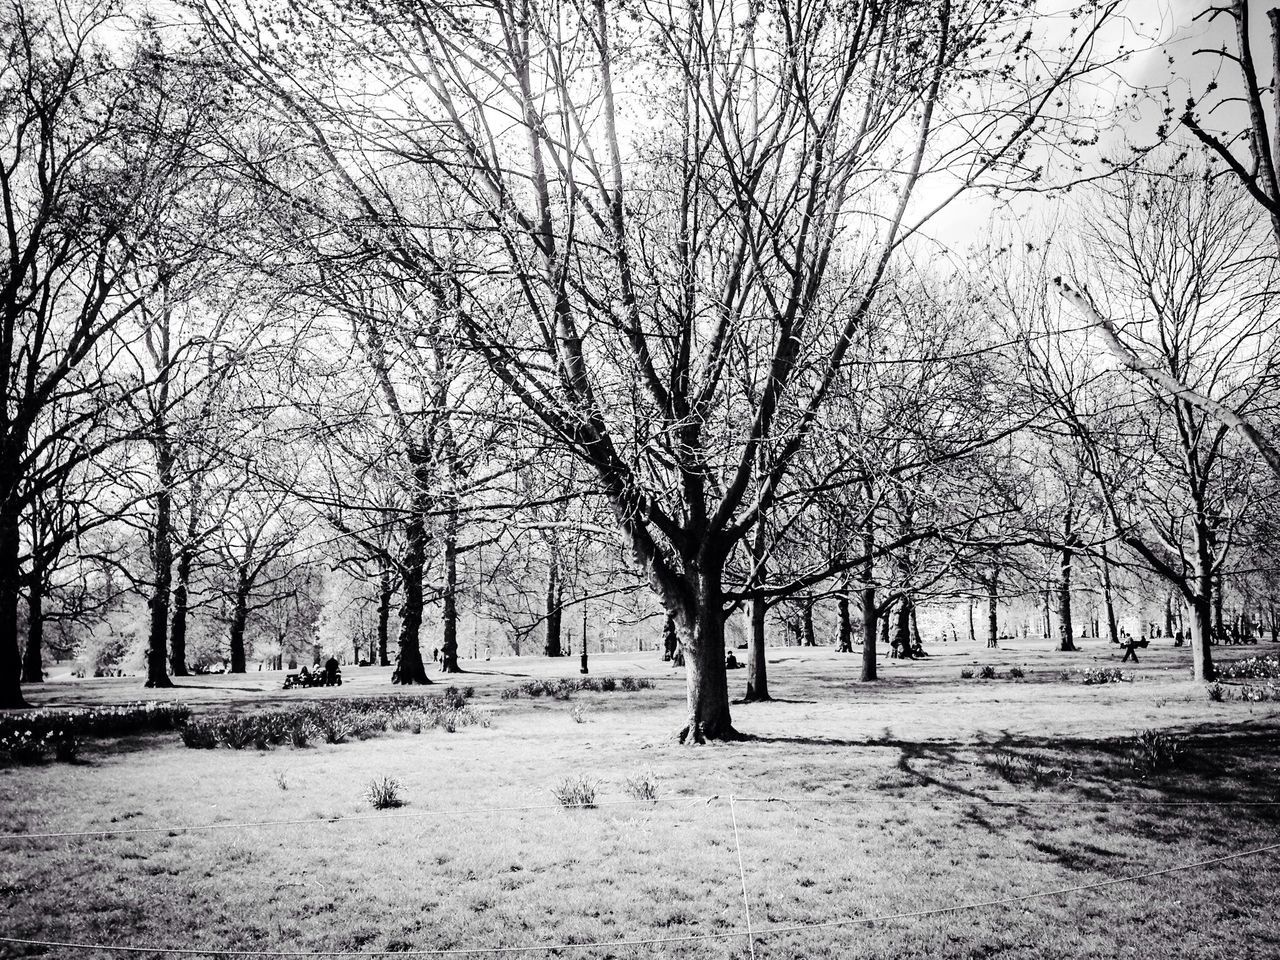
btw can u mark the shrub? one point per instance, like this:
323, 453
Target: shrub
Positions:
966, 673
1016, 673
631, 684
1156, 751
1217, 692
66, 747
1095, 675
335, 720
1259, 692
576, 792
237, 732
986, 672
384, 793
26, 746
1254, 668
200, 735
30, 737
642, 787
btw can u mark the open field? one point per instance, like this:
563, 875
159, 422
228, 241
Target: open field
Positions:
851, 801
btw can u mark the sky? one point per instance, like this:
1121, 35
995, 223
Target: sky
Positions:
1156, 30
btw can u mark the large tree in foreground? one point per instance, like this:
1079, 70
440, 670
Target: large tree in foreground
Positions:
656, 284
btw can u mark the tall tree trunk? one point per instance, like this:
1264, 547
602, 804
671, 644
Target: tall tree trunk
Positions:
10, 589
1168, 614
181, 602
993, 602
973, 636
554, 612
33, 658
1201, 614
869, 609
239, 618
449, 648
1066, 628
1201, 635
384, 613
1113, 635
409, 667
902, 635
846, 625
1046, 613
757, 672
916, 641
701, 625
1219, 634
162, 578
757, 667
885, 617
806, 620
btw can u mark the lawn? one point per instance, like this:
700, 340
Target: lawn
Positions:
921, 793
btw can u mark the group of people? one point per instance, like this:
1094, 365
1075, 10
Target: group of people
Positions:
330, 675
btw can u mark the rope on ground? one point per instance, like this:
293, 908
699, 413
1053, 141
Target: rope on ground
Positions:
742, 873
638, 942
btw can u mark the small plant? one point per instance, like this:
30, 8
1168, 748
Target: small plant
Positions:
579, 713
200, 735
384, 793
1156, 751
1259, 692
576, 792
1254, 668
1096, 675
66, 747
986, 672
281, 782
1216, 692
642, 787
966, 673
1016, 673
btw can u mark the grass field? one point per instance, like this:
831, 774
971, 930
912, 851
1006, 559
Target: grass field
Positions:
922, 792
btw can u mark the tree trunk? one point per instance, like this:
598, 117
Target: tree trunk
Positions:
916, 642
178, 631
33, 659
1046, 614
869, 610
757, 672
1066, 628
973, 636
409, 667
449, 648
993, 600
238, 620
701, 624
1202, 609
902, 634
554, 613
1168, 614
1219, 634
1201, 637
884, 618
162, 581
10, 589
1113, 635
384, 614
810, 638
846, 626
